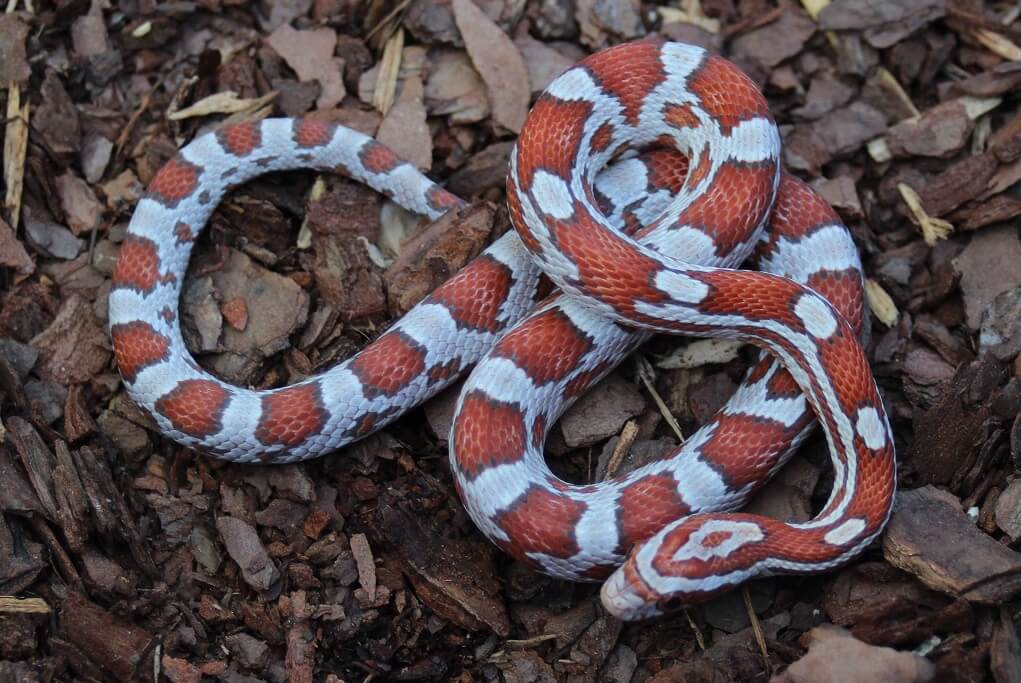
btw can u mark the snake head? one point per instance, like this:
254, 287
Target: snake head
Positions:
688, 562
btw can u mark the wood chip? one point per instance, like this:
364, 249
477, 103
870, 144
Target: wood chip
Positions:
14, 605
75, 346
246, 549
881, 303
989, 265
938, 132
404, 127
82, 209
930, 537
15, 151
226, 102
690, 12
453, 575
701, 352
455, 89
110, 642
389, 68
12, 252
933, 229
498, 61
883, 24
14, 67
601, 412
998, 44
310, 55
436, 253
365, 562
1005, 649
834, 654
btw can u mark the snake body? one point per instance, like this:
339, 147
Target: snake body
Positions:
642, 178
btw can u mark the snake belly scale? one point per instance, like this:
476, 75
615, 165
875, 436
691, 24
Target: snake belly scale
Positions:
643, 177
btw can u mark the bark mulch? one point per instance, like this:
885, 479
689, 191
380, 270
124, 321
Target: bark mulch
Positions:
126, 557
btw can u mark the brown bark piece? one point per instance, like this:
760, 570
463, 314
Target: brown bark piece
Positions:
431, 257
486, 170
310, 54
1004, 78
276, 307
455, 89
836, 655
1005, 650
37, 461
404, 128
543, 62
78, 422
960, 182
601, 412
57, 118
884, 23
343, 218
997, 209
78, 201
939, 132
1008, 510
930, 537
526, 667
74, 347
16, 495
778, 40
1001, 326
14, 66
788, 495
454, 577
498, 61
115, 645
246, 549
72, 503
110, 511
989, 265
605, 22
12, 252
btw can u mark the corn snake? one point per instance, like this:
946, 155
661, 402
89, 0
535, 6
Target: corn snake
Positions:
663, 142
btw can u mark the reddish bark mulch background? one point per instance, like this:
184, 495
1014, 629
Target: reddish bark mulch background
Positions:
126, 557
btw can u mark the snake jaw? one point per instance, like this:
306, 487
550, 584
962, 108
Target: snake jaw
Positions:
621, 598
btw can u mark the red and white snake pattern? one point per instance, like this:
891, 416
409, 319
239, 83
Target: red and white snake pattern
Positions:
666, 143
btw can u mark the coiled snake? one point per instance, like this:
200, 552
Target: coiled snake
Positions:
641, 178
